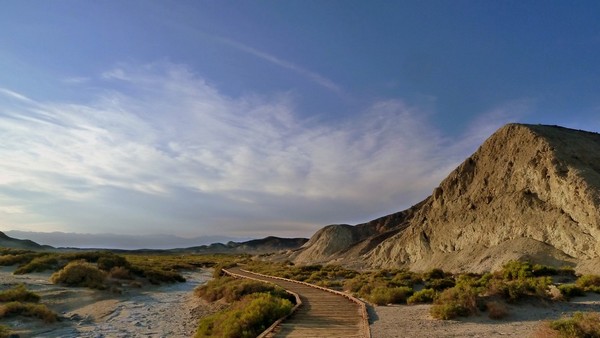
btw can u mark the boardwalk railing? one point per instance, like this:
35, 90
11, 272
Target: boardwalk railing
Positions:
361, 304
278, 321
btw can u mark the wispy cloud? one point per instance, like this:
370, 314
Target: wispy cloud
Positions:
310, 75
170, 149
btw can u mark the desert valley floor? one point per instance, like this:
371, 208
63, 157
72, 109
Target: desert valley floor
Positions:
173, 311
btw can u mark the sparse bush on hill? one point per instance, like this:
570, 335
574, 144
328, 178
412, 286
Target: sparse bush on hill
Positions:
19, 293
245, 319
80, 273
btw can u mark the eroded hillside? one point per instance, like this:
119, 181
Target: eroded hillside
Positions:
529, 192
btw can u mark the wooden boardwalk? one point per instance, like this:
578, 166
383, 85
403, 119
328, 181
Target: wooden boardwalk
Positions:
322, 313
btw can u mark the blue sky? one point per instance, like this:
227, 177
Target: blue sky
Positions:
252, 118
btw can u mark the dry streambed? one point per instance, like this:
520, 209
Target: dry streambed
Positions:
153, 311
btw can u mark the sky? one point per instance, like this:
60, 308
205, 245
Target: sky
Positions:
253, 118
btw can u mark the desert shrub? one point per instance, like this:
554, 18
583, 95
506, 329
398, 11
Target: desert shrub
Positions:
157, 276
515, 290
496, 309
513, 270
80, 273
38, 264
389, 295
355, 284
19, 293
440, 284
405, 278
589, 283
231, 289
17, 258
4, 331
580, 325
421, 297
88, 256
108, 261
434, 274
543, 270
569, 291
454, 302
120, 272
246, 318
40, 311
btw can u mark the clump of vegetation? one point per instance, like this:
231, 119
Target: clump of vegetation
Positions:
40, 311
424, 296
12, 257
80, 273
4, 331
459, 301
19, 293
323, 275
246, 318
38, 264
580, 325
496, 309
589, 283
232, 289
120, 272
389, 295
569, 291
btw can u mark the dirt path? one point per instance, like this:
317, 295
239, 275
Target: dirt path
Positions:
158, 311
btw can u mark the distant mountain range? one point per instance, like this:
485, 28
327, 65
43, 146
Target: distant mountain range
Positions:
114, 241
530, 192
254, 246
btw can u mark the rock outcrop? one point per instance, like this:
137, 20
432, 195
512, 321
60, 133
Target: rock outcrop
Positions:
529, 192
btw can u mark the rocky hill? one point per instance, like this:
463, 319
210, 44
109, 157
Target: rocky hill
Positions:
529, 192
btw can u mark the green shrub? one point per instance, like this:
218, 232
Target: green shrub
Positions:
246, 318
589, 283
389, 295
515, 290
40, 311
231, 289
38, 264
19, 293
586, 325
422, 297
513, 270
569, 291
454, 302
543, 270
80, 273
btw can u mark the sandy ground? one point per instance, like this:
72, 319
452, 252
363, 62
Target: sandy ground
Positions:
152, 311
414, 321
